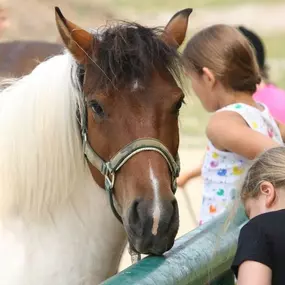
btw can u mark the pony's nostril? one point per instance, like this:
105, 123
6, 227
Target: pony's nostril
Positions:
134, 218
145, 222
174, 212
174, 205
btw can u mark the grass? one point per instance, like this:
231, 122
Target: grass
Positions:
275, 45
148, 5
193, 118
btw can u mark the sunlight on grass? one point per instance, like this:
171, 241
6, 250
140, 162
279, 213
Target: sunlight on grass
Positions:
275, 45
150, 5
193, 118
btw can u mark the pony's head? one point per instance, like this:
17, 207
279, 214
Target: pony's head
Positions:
128, 75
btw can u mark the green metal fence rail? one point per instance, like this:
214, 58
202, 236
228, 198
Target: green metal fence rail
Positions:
202, 256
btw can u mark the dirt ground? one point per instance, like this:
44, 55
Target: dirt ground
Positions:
189, 159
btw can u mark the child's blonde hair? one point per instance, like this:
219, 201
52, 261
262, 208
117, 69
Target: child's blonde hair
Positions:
227, 53
270, 167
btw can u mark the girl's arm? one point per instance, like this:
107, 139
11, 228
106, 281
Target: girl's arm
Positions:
254, 273
282, 130
184, 178
252, 263
229, 132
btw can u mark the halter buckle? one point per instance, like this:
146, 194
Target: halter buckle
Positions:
109, 180
84, 140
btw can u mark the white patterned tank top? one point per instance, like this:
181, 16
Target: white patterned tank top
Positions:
222, 171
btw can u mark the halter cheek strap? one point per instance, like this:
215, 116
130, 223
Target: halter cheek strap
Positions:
109, 168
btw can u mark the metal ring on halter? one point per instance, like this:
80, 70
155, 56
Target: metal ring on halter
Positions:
109, 177
109, 168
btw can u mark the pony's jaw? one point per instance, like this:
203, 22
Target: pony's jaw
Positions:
151, 223
149, 233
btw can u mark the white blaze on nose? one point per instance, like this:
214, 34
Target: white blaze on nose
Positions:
135, 85
156, 201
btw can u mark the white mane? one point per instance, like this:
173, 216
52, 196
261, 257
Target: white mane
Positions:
41, 157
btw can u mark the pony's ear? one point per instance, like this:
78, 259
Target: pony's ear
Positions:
175, 31
77, 40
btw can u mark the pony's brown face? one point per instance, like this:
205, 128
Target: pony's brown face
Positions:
131, 94
143, 187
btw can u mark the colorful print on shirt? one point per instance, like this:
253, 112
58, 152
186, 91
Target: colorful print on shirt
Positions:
223, 171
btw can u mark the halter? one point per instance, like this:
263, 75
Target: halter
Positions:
109, 168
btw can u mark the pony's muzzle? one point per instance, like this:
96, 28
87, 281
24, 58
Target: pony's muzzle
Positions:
152, 227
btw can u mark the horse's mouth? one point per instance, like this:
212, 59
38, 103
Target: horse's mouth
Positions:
155, 247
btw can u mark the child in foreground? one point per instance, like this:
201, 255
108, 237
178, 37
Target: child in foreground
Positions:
260, 255
224, 74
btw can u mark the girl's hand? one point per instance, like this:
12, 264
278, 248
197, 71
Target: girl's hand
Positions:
184, 178
282, 130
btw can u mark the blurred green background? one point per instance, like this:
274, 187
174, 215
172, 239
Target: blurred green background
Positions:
170, 4
266, 17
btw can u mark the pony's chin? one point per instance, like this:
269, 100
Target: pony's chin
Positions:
154, 246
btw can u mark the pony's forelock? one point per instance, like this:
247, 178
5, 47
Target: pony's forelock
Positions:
42, 161
129, 52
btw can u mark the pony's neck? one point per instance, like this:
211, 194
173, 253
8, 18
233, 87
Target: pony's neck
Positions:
56, 224
89, 209
81, 240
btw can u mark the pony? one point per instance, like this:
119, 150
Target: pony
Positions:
89, 154
18, 58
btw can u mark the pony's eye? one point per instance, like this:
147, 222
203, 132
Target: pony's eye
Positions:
96, 108
178, 105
